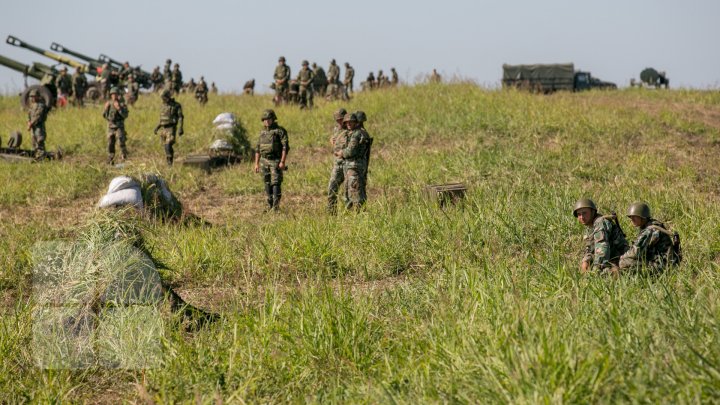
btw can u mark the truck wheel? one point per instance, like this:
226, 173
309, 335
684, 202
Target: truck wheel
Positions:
92, 93
45, 93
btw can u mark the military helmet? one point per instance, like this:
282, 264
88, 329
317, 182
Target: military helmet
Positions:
166, 94
268, 115
332, 62
361, 117
281, 59
168, 61
639, 209
340, 113
350, 117
583, 203
114, 90
305, 63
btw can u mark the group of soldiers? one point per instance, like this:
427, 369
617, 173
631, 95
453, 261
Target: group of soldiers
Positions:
351, 144
310, 81
381, 81
607, 250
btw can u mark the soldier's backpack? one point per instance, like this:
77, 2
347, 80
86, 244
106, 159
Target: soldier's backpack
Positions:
675, 255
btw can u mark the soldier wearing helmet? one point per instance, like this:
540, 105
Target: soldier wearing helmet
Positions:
176, 78
115, 112
362, 117
63, 83
167, 72
305, 79
270, 154
348, 81
201, 91
333, 74
282, 80
338, 141
79, 86
653, 246
355, 161
170, 125
604, 239
37, 115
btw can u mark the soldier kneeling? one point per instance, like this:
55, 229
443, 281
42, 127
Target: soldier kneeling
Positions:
655, 246
604, 239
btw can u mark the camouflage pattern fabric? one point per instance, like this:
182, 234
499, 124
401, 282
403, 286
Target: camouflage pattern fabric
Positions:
349, 77
177, 79
337, 173
79, 84
37, 115
333, 73
64, 84
272, 142
282, 78
604, 243
171, 124
120, 135
115, 116
305, 78
355, 162
652, 248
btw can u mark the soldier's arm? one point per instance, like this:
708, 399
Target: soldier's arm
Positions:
352, 148
638, 249
601, 254
181, 119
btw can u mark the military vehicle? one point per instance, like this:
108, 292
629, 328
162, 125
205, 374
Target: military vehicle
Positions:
92, 92
550, 78
44, 73
651, 77
141, 77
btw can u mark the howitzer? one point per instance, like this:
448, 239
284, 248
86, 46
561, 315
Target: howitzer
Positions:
94, 63
142, 77
44, 73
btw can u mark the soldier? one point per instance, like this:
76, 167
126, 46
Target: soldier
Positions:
435, 77
249, 87
370, 82
270, 154
63, 83
104, 80
355, 154
167, 73
201, 91
381, 79
653, 246
338, 142
333, 73
348, 82
214, 89
133, 89
362, 117
37, 115
305, 80
394, 80
171, 123
320, 82
282, 80
190, 86
156, 78
125, 71
604, 239
176, 78
115, 112
79, 84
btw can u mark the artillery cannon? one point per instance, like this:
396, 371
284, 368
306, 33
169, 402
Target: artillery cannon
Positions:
44, 73
94, 63
92, 92
141, 77
651, 77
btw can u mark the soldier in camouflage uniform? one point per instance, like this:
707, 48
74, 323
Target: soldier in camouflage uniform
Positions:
653, 247
171, 123
370, 82
249, 87
355, 156
394, 79
167, 72
320, 82
333, 73
115, 112
362, 117
338, 141
349, 77
604, 239
156, 78
37, 115
305, 79
133, 89
270, 154
79, 84
63, 83
282, 80
177, 79
201, 91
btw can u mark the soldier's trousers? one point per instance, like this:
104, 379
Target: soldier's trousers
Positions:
652, 267
337, 176
38, 138
272, 179
167, 135
354, 194
119, 135
306, 97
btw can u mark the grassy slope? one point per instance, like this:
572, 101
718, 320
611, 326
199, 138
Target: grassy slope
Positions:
404, 301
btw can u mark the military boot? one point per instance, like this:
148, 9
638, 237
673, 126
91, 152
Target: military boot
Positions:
277, 194
269, 195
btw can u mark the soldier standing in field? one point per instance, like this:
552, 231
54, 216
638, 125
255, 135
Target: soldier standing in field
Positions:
362, 117
370, 82
176, 78
156, 78
37, 115
249, 87
653, 247
305, 79
349, 77
270, 154
167, 71
115, 112
394, 79
79, 84
354, 154
320, 82
170, 125
214, 89
338, 142
333, 77
133, 89
201, 91
604, 239
435, 77
63, 83
282, 80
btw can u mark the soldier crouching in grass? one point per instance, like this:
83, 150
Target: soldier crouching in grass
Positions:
654, 247
270, 154
604, 239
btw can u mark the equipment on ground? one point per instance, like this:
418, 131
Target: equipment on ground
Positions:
651, 78
13, 153
548, 78
444, 194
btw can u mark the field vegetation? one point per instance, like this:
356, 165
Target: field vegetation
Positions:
404, 302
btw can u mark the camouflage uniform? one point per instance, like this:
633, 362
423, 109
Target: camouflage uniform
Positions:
201, 91
133, 90
305, 79
361, 117
333, 73
156, 78
37, 115
282, 79
177, 79
349, 77
171, 123
394, 80
652, 248
355, 155
320, 82
64, 84
272, 142
604, 243
167, 72
337, 174
115, 117
79, 84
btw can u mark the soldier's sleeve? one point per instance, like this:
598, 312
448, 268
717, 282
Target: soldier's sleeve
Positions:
637, 251
601, 239
284, 141
352, 147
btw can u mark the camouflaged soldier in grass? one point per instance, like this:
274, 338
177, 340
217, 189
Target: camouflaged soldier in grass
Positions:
653, 247
171, 123
115, 112
604, 239
362, 117
305, 78
37, 115
270, 154
338, 141
355, 155
282, 80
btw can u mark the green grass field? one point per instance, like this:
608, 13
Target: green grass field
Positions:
404, 302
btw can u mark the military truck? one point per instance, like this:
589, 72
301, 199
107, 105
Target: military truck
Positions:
548, 78
92, 92
44, 73
651, 77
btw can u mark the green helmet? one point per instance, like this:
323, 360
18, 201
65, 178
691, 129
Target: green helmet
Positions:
350, 117
166, 94
339, 114
268, 115
639, 209
114, 90
361, 117
583, 203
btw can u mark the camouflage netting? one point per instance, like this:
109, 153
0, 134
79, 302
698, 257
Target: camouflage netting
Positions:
229, 133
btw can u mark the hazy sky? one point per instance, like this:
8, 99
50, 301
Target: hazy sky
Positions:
230, 42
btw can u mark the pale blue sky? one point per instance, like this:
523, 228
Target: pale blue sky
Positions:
230, 42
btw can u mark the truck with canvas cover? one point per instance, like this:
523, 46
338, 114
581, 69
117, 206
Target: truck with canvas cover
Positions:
548, 78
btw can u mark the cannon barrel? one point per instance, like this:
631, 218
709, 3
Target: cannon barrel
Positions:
94, 63
36, 70
59, 58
